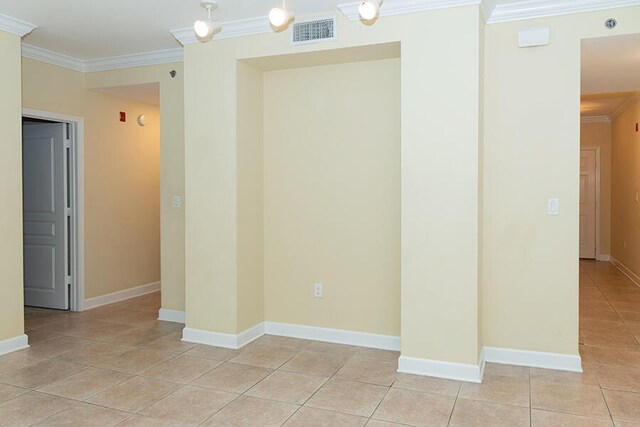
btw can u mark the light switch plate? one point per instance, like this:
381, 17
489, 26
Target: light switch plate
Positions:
176, 202
553, 207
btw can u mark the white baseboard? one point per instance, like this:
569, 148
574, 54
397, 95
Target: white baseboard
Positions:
602, 257
121, 295
219, 339
440, 369
626, 271
14, 344
533, 359
167, 315
338, 336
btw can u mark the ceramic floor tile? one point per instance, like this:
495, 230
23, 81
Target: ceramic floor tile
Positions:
415, 408
322, 364
58, 345
213, 353
624, 406
171, 342
251, 411
574, 399
367, 370
137, 360
588, 376
278, 341
513, 390
182, 369
231, 377
191, 405
134, 394
288, 387
30, 408
265, 356
142, 421
85, 384
85, 415
619, 378
310, 417
555, 419
41, 373
9, 392
427, 384
377, 354
17, 360
95, 354
348, 397
472, 413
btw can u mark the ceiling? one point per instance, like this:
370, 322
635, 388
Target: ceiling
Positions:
92, 29
610, 74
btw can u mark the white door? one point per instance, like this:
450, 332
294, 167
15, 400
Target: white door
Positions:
588, 204
45, 215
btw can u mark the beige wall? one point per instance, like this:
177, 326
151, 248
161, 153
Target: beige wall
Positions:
171, 166
332, 196
625, 189
439, 175
122, 181
532, 139
599, 135
11, 288
250, 253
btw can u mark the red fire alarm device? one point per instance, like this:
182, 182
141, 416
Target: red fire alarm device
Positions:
123, 116
636, 127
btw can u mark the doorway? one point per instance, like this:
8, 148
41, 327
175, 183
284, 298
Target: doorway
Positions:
589, 202
52, 210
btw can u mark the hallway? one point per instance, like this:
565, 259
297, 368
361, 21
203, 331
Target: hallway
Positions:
118, 365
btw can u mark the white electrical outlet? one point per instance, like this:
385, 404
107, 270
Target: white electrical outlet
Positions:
176, 201
317, 290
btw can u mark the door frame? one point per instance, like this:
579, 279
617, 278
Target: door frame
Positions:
599, 256
77, 199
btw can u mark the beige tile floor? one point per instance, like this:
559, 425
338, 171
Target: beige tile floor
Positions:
118, 365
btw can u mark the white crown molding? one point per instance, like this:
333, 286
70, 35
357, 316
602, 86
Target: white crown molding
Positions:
595, 119
50, 57
16, 26
135, 60
102, 64
531, 9
400, 7
243, 27
624, 106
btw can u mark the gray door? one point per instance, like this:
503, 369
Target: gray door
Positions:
45, 215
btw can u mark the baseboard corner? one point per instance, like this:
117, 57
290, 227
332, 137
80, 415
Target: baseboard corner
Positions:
533, 359
441, 369
120, 296
14, 344
168, 315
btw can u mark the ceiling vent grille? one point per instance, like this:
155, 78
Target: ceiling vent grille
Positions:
314, 31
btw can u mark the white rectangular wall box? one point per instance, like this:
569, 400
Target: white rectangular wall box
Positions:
532, 37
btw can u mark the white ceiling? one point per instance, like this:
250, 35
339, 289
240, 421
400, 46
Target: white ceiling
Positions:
603, 104
92, 29
611, 64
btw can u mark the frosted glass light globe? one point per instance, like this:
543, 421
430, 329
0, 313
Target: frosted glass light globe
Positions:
203, 28
369, 9
278, 16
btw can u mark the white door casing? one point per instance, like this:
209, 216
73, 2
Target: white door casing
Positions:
588, 203
45, 211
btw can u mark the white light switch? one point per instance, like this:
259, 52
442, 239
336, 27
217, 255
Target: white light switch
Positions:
553, 207
176, 203
317, 290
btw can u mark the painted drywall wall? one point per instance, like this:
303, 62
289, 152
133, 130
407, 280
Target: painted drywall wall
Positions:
250, 237
11, 288
625, 189
439, 175
532, 140
122, 177
599, 135
332, 196
171, 166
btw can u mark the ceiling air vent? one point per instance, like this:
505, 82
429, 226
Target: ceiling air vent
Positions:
314, 31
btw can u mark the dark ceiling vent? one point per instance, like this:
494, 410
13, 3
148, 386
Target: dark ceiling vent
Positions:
314, 31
